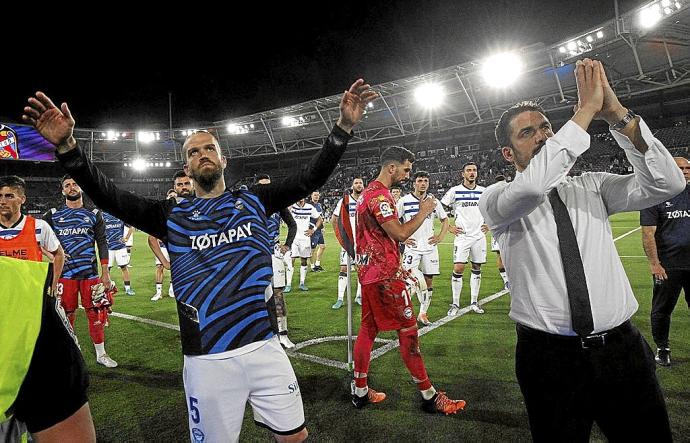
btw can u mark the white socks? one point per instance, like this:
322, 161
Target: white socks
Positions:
475, 283
456, 285
100, 349
303, 274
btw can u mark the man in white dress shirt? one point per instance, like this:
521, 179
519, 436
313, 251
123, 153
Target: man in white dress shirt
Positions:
607, 374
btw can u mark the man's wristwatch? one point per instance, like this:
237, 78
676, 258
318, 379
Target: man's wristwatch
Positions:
624, 121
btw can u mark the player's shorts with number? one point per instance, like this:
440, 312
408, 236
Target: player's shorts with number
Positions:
301, 247
388, 304
118, 256
426, 261
218, 389
494, 245
472, 248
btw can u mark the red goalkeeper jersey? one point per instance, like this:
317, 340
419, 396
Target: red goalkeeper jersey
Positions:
378, 255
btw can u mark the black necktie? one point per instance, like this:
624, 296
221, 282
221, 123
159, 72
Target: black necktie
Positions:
575, 282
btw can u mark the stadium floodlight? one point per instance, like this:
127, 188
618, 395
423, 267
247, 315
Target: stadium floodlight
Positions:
251, 126
562, 49
167, 164
572, 46
139, 164
502, 70
233, 128
429, 95
289, 121
145, 137
370, 105
589, 39
665, 3
650, 16
111, 135
600, 34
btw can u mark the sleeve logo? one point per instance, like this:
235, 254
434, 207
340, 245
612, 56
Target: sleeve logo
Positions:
386, 210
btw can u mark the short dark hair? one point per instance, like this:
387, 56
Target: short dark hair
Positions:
469, 164
14, 182
179, 174
396, 154
500, 178
396, 187
65, 177
262, 177
502, 131
421, 174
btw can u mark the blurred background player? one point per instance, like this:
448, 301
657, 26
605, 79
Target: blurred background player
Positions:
276, 298
162, 258
470, 237
303, 213
421, 249
357, 188
129, 242
666, 242
318, 244
386, 298
80, 230
495, 248
117, 250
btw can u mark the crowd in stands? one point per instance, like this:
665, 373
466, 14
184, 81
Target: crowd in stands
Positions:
442, 162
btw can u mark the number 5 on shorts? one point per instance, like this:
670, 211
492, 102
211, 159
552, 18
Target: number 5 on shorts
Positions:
193, 410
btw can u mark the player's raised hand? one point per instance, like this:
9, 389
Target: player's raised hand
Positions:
590, 93
354, 103
427, 205
55, 124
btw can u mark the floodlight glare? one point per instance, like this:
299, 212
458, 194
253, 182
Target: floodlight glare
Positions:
145, 137
111, 135
233, 128
665, 3
572, 46
289, 121
502, 70
600, 34
167, 164
590, 39
650, 16
139, 164
561, 49
429, 95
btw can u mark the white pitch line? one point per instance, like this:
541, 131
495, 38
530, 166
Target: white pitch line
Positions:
627, 233
146, 320
438, 323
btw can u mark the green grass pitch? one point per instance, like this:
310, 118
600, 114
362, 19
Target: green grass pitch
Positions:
471, 357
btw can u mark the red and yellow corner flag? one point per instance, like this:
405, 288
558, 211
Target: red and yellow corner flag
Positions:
343, 228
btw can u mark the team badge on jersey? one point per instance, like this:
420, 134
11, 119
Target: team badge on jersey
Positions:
239, 205
408, 312
9, 146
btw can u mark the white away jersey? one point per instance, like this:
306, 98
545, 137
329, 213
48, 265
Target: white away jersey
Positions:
408, 207
303, 216
465, 204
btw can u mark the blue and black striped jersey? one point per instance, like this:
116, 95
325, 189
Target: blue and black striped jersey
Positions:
114, 232
220, 248
220, 262
78, 229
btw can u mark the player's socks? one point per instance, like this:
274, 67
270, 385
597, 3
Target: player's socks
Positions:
342, 285
289, 271
159, 288
424, 307
409, 341
359, 291
100, 349
504, 276
128, 286
318, 263
456, 285
362, 354
428, 394
302, 274
475, 283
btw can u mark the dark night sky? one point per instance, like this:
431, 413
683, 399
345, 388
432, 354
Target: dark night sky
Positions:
116, 72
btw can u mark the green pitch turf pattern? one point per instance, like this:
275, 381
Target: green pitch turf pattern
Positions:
471, 357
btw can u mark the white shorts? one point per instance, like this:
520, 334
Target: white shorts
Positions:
217, 391
494, 245
130, 241
278, 271
119, 256
473, 248
165, 254
301, 247
426, 261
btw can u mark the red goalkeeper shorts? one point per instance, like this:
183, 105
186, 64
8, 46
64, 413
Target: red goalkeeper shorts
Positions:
388, 304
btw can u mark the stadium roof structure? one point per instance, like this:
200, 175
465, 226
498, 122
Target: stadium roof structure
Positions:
645, 50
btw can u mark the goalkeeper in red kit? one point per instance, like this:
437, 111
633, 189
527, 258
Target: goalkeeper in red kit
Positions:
386, 298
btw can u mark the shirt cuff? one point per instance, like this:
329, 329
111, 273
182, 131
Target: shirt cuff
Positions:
625, 143
573, 138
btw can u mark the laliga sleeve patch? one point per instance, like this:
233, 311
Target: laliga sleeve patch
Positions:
385, 209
